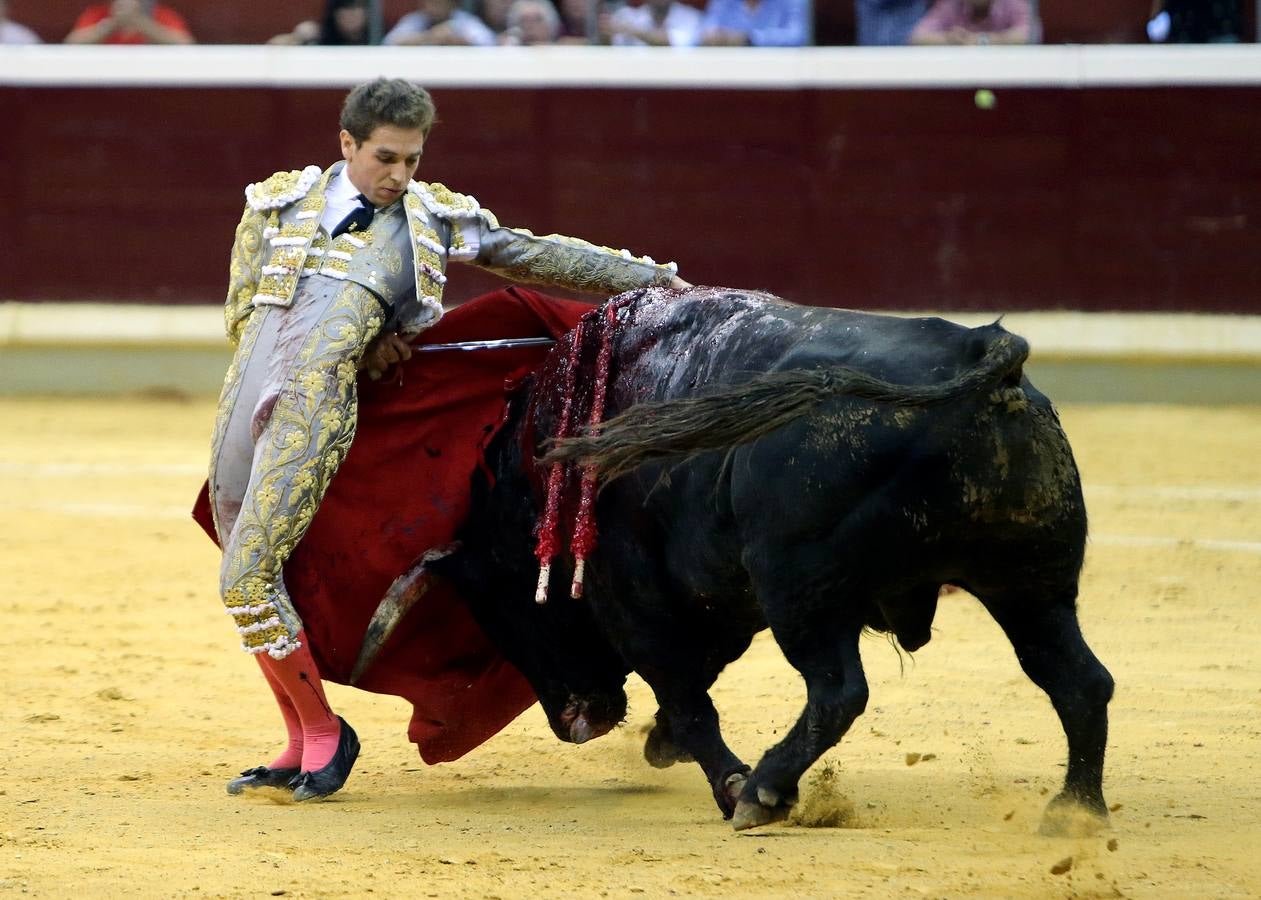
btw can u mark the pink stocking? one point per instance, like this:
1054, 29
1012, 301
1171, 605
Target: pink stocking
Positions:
291, 756
298, 677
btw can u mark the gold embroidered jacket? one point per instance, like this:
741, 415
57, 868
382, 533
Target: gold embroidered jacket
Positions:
279, 240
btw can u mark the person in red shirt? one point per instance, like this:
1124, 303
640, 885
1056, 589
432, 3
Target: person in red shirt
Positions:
129, 22
978, 22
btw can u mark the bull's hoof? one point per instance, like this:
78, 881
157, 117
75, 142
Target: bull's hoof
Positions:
751, 815
770, 807
728, 788
1068, 816
661, 752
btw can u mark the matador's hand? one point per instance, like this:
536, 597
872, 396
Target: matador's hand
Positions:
384, 351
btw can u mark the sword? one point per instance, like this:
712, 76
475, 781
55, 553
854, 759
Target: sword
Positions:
502, 344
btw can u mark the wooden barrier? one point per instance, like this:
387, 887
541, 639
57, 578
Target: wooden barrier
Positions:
833, 189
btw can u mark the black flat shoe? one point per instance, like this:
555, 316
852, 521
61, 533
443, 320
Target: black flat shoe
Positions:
328, 780
261, 777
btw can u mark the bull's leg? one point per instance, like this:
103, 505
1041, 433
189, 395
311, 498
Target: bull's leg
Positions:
678, 651
691, 723
660, 748
726, 645
1051, 650
836, 694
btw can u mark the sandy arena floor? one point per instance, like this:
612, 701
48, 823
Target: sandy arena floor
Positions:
127, 707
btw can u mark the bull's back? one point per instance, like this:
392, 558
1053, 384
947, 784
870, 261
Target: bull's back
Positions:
673, 347
966, 466
965, 489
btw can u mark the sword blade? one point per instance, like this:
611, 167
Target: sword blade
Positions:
502, 344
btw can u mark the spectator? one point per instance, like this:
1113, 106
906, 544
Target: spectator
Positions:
657, 23
887, 23
440, 22
757, 23
345, 22
1194, 21
575, 17
129, 22
12, 32
531, 23
977, 22
495, 14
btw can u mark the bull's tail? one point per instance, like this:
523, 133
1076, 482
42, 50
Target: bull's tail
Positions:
737, 414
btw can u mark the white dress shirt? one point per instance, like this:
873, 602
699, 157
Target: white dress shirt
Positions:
341, 198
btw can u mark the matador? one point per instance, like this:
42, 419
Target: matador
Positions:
331, 270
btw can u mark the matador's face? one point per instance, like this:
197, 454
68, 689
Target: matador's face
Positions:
382, 165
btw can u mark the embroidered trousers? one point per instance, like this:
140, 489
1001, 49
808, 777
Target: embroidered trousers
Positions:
285, 422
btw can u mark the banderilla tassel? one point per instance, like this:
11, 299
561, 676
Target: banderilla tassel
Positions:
548, 541
545, 575
584, 539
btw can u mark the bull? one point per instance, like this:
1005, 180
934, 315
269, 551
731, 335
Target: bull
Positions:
817, 472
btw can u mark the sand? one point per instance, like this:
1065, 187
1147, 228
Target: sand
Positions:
127, 707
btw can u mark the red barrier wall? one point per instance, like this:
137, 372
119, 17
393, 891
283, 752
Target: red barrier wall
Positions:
1091, 199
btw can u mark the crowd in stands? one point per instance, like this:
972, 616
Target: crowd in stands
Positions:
728, 23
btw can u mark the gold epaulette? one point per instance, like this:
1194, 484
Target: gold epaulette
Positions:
282, 189
442, 201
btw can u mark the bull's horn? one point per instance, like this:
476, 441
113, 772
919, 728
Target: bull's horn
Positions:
399, 598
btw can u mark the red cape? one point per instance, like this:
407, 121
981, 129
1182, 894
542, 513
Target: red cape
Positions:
404, 488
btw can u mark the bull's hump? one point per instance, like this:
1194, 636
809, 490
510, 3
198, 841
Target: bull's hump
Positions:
668, 308
712, 316
709, 335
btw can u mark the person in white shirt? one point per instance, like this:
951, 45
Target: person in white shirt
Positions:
440, 22
532, 23
13, 33
331, 271
656, 23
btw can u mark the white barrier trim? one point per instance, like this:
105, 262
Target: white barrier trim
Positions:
88, 324
1068, 66
1072, 335
1089, 335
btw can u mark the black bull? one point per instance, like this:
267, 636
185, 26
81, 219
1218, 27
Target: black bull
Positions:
815, 471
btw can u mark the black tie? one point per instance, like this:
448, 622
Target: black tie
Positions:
357, 219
